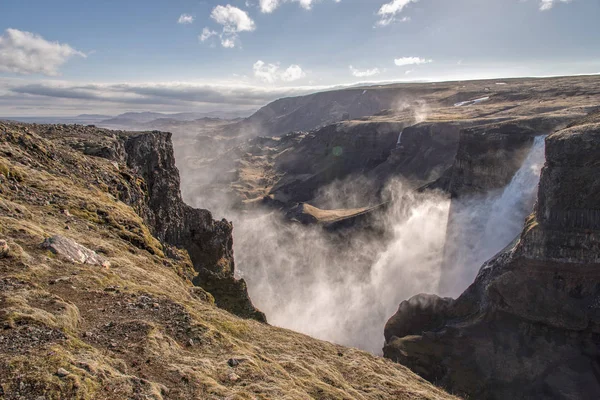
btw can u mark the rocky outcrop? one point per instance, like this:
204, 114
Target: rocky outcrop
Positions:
529, 326
208, 242
488, 157
149, 182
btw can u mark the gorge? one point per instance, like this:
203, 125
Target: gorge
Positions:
353, 231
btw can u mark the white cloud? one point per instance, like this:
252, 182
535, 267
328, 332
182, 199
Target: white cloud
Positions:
271, 73
185, 19
228, 42
233, 21
19, 94
411, 61
548, 4
265, 72
268, 6
27, 53
364, 73
206, 34
293, 73
388, 12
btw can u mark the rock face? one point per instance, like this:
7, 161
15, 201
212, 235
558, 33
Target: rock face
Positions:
529, 326
423, 153
208, 242
488, 157
333, 152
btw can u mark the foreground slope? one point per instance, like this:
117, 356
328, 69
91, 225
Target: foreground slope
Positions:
94, 306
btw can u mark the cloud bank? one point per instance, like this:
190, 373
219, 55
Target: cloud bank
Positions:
403, 61
20, 97
27, 53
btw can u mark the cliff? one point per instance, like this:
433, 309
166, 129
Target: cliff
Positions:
528, 326
97, 255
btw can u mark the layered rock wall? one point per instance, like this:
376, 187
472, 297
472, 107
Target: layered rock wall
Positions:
529, 326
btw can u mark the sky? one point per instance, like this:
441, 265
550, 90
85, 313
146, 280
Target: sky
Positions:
67, 57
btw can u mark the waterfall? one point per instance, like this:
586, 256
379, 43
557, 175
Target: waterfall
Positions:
515, 203
481, 227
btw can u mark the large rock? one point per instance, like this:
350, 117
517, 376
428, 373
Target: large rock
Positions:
73, 251
529, 326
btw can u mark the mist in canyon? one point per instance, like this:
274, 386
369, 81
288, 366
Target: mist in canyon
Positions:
344, 288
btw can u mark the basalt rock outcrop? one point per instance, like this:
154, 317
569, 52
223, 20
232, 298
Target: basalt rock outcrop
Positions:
208, 242
487, 157
529, 326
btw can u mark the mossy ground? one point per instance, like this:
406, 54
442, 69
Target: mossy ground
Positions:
139, 329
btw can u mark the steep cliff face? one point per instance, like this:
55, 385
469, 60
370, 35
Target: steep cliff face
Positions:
495, 164
423, 153
528, 327
488, 157
208, 242
333, 152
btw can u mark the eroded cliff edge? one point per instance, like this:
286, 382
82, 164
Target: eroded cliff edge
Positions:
528, 327
151, 185
209, 243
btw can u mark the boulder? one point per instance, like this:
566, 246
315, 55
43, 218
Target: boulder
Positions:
73, 251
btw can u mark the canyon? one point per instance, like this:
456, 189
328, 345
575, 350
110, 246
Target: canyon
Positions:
449, 227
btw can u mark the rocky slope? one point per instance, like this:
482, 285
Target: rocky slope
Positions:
528, 326
97, 258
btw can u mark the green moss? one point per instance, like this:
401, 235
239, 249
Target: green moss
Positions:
11, 172
86, 215
235, 328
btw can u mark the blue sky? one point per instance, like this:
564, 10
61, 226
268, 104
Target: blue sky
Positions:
64, 57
